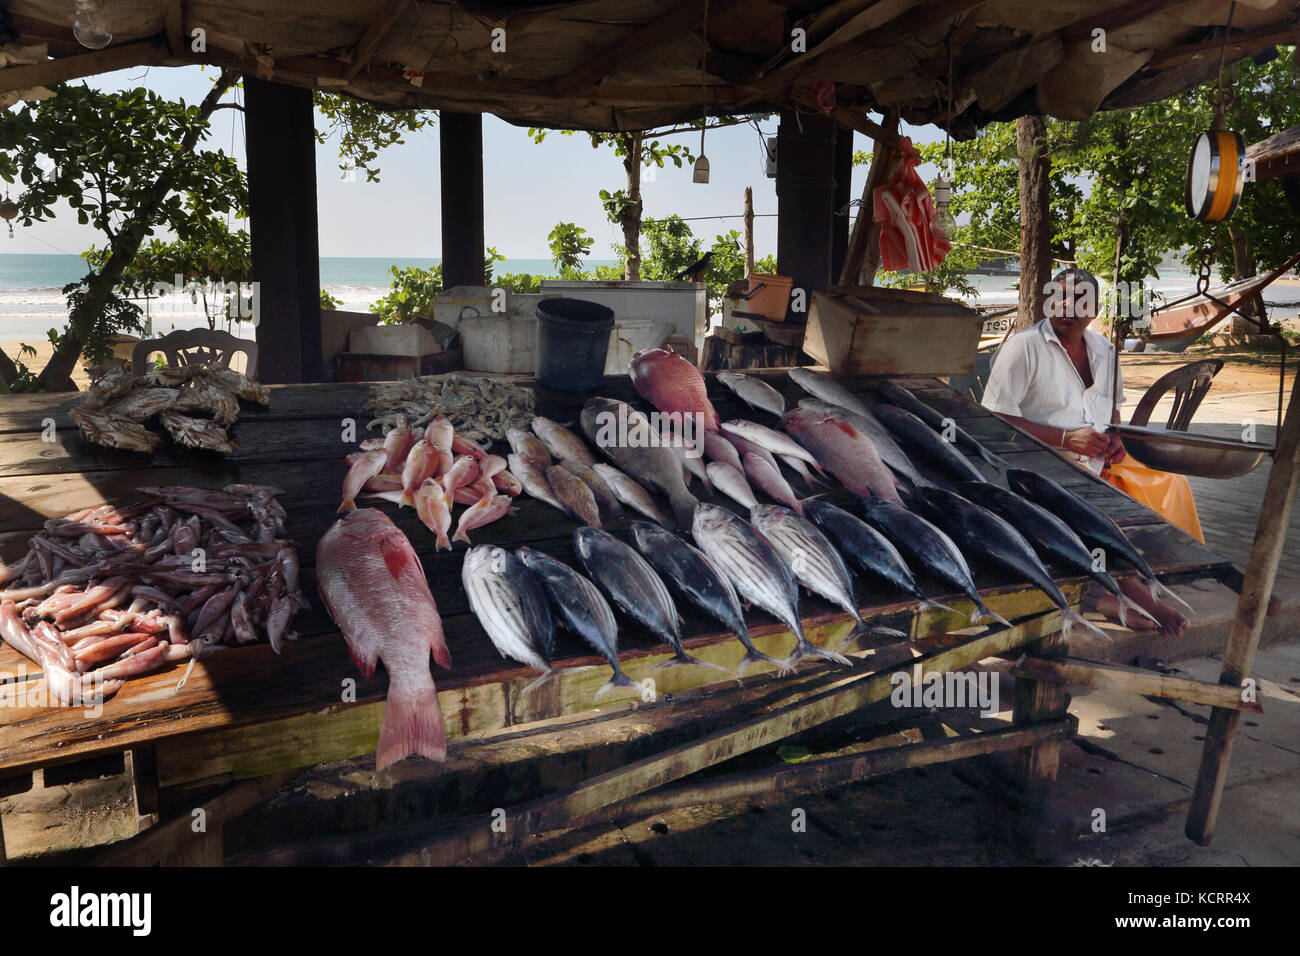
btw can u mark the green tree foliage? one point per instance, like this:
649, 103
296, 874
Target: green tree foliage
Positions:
570, 244
364, 129
128, 162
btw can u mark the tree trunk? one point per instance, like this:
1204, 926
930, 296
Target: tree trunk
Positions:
749, 231
1119, 301
631, 218
1243, 266
1035, 219
57, 374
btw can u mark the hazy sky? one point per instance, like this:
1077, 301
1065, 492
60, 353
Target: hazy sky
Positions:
528, 188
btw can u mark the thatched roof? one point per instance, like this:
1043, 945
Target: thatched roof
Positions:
638, 64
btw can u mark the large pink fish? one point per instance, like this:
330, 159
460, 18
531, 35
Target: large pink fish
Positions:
375, 590
843, 450
671, 384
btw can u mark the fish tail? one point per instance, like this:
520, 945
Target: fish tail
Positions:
754, 656
1161, 591
348, 504
1126, 602
981, 612
878, 629
930, 602
997, 461
1070, 616
684, 508
807, 649
618, 680
682, 659
798, 503
412, 725
444, 543
546, 675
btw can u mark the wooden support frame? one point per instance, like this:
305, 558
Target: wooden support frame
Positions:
576, 805
1036, 765
1248, 624
375, 32
1070, 670
864, 227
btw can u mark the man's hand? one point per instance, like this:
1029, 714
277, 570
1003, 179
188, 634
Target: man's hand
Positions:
1115, 452
1091, 444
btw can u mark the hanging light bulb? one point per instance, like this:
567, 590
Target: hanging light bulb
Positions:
90, 25
9, 211
943, 205
701, 173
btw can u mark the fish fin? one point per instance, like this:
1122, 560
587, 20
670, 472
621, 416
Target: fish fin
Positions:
348, 504
684, 508
396, 557
546, 675
366, 666
1126, 602
981, 611
1158, 589
460, 535
882, 631
412, 725
444, 543
756, 656
930, 602
682, 659
438, 645
1070, 616
806, 649
618, 680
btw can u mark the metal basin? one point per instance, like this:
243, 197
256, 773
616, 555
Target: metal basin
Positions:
1185, 453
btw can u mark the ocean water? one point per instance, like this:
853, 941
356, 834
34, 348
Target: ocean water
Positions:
31, 302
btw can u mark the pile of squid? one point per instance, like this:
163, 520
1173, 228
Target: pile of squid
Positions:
432, 470
106, 594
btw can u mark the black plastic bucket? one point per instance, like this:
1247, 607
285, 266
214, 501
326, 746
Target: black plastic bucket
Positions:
572, 339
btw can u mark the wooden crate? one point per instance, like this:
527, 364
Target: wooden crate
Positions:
864, 330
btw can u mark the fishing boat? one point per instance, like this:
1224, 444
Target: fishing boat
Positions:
1177, 324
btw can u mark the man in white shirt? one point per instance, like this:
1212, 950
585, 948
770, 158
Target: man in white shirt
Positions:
1056, 381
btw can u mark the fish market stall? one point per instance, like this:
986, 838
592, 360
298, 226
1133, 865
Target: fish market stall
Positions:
226, 731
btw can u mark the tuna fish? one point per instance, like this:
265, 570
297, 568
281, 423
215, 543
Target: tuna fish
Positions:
981, 532
633, 585
671, 384
759, 573
626, 437
511, 605
561, 442
375, 590
1091, 525
845, 450
573, 491
631, 493
1052, 538
814, 560
754, 392
917, 435
929, 547
690, 572
867, 548
581, 608
895, 394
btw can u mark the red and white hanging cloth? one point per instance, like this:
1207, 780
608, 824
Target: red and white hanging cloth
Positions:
910, 234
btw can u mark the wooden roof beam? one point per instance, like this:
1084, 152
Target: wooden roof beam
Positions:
640, 41
141, 53
1240, 45
173, 25
851, 119
374, 35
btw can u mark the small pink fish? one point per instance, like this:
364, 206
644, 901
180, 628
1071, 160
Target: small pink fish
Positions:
486, 510
366, 468
491, 465
433, 505
772, 483
463, 446
421, 463
508, 484
398, 442
385, 482
463, 472
474, 492
440, 434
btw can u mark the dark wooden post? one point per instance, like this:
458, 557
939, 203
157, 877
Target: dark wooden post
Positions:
1035, 221
749, 230
282, 224
461, 155
805, 195
843, 173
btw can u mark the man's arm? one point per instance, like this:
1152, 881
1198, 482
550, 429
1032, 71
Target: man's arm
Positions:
1082, 441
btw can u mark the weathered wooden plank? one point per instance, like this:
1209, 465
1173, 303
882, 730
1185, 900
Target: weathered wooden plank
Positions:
1148, 683
570, 806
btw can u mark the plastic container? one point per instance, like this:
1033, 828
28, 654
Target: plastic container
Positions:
769, 295
572, 341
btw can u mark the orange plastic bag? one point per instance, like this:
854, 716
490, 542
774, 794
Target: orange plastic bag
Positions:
1165, 493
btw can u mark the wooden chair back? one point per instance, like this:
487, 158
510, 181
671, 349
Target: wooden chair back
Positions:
1189, 384
191, 346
